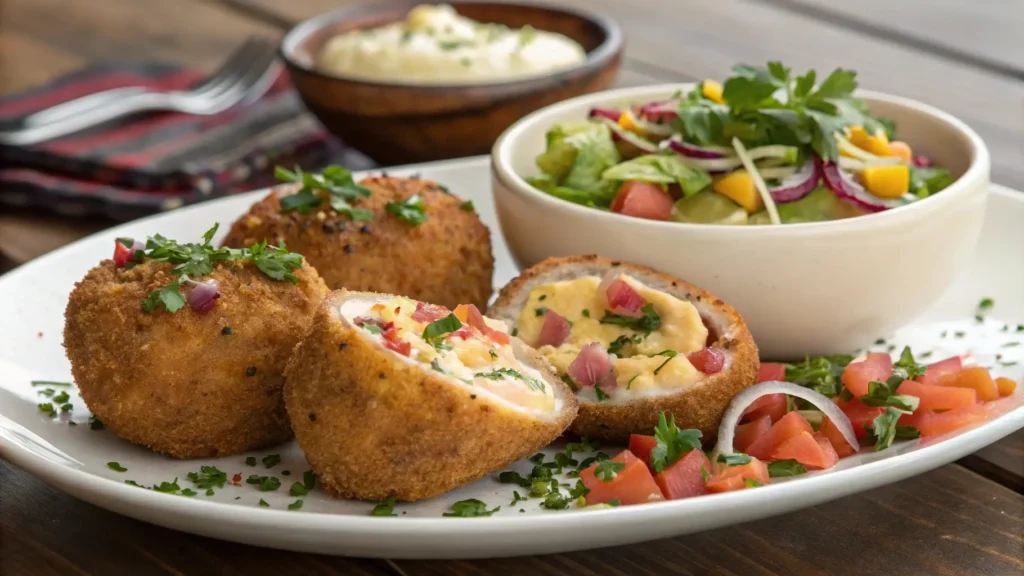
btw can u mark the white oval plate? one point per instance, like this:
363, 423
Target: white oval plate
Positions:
74, 458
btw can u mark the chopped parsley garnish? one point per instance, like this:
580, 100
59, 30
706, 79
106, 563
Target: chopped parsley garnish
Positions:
823, 375
584, 445
48, 409
250, 461
568, 382
95, 423
209, 491
540, 311
986, 304
884, 428
780, 468
49, 392
671, 354
411, 210
751, 483
295, 505
298, 489
167, 487
170, 297
438, 330
264, 483
586, 313
188, 492
907, 367
208, 477
671, 442
116, 467
516, 497
704, 474
601, 394
736, 459
616, 346
335, 185
503, 373
263, 503
61, 398
384, 508
494, 355
630, 381
1013, 344
608, 470
555, 500
373, 328
470, 508
226, 331
537, 458
309, 479
69, 407
271, 460
881, 394
647, 323
467, 206
50, 383
907, 432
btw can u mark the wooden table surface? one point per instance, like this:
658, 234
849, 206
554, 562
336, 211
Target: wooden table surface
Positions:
963, 56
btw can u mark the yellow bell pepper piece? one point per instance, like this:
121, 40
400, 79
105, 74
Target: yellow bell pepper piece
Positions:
901, 150
890, 181
739, 187
877, 144
628, 122
713, 91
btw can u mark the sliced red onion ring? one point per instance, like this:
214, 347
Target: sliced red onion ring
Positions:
921, 162
800, 184
846, 188
733, 413
619, 133
204, 295
662, 109
683, 147
609, 113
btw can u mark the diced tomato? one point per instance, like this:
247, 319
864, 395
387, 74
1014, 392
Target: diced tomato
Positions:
643, 200
839, 443
641, 445
122, 254
976, 378
1006, 386
685, 478
939, 369
938, 423
732, 477
787, 427
938, 397
860, 415
393, 342
877, 367
773, 405
634, 484
708, 361
813, 451
771, 372
997, 408
747, 433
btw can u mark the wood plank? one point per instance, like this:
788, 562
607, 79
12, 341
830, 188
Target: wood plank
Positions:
697, 39
25, 62
1002, 462
984, 34
189, 32
44, 531
946, 522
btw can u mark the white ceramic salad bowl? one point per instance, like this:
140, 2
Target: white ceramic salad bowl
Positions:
813, 288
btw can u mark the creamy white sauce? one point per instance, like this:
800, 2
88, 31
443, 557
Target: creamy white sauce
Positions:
436, 45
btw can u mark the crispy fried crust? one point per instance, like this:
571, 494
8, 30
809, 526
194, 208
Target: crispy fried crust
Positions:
700, 406
446, 260
373, 424
176, 383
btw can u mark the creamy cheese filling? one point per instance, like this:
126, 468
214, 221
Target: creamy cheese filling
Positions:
455, 349
643, 361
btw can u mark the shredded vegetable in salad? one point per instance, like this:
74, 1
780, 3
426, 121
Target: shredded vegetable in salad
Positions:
765, 147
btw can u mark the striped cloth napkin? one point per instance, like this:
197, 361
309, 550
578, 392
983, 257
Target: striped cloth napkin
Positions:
159, 161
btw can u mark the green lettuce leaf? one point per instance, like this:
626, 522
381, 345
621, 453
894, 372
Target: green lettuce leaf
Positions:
576, 155
660, 170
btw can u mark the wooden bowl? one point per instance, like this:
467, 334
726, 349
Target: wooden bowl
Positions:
398, 123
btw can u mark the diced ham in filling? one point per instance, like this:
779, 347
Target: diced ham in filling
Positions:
593, 366
555, 330
384, 326
708, 360
622, 298
429, 312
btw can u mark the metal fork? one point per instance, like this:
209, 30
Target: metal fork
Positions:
245, 75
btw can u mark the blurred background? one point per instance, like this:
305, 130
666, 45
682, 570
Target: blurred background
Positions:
964, 57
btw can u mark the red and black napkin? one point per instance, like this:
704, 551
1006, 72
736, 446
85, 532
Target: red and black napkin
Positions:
159, 161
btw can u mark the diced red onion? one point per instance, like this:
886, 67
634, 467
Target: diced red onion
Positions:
137, 246
554, 331
846, 188
608, 113
592, 366
800, 184
429, 312
204, 295
620, 133
733, 413
707, 361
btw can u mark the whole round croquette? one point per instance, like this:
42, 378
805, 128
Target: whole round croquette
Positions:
444, 260
187, 384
